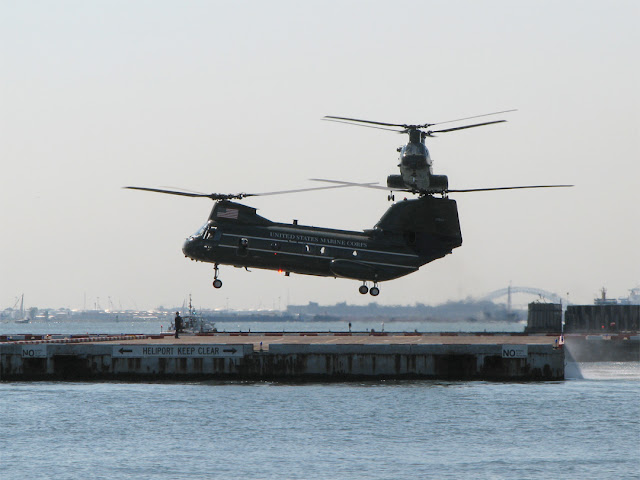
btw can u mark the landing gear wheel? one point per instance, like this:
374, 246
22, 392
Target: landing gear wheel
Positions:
216, 283
363, 289
375, 291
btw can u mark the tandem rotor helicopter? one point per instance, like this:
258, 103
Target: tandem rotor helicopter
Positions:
416, 167
410, 234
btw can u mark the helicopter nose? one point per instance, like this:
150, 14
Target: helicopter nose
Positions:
188, 248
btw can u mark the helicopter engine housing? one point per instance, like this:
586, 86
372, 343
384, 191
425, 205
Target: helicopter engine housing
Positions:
438, 183
395, 181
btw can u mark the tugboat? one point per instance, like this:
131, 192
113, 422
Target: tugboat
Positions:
194, 323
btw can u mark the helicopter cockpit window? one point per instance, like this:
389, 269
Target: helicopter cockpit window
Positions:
414, 149
201, 231
206, 231
415, 156
210, 233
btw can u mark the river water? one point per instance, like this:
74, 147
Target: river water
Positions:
585, 427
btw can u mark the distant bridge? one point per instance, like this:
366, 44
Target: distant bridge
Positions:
553, 297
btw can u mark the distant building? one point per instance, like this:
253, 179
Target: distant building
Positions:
544, 318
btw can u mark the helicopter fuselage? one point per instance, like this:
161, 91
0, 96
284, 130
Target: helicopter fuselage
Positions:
410, 234
416, 171
415, 166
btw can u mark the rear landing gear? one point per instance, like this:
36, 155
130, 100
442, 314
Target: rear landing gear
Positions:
216, 282
374, 291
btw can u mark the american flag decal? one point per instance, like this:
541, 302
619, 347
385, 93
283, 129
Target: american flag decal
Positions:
231, 213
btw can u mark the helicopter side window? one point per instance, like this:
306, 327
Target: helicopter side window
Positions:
243, 247
410, 238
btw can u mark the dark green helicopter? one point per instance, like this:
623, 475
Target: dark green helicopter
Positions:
416, 171
411, 233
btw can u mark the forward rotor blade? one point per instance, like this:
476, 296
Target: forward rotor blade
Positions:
475, 116
358, 125
329, 117
406, 126
174, 192
239, 196
342, 185
463, 127
505, 188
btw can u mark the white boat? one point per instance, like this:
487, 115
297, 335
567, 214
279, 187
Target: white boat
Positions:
23, 318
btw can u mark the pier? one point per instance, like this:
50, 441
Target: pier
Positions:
317, 356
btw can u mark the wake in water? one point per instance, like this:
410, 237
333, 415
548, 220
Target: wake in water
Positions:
603, 371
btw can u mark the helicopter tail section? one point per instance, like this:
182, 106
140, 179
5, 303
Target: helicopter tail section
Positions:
429, 225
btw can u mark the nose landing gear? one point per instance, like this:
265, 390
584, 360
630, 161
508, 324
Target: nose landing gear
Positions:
216, 282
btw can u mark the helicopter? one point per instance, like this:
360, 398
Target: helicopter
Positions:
409, 235
416, 167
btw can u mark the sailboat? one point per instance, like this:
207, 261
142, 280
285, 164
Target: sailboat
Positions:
23, 318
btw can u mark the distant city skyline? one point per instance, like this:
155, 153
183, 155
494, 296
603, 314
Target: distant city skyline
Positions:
522, 296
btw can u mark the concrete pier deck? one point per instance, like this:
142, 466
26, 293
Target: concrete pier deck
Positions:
294, 356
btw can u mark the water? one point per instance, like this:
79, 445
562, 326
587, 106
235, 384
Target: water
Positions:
586, 427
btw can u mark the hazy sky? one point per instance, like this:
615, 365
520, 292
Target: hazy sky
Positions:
221, 96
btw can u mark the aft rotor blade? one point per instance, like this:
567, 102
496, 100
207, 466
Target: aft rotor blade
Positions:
465, 126
505, 188
475, 116
380, 187
354, 184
